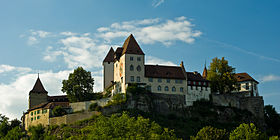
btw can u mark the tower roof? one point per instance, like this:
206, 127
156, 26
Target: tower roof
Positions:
204, 74
110, 56
38, 87
130, 46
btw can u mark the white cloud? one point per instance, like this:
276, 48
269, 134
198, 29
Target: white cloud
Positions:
270, 78
156, 3
151, 31
9, 68
40, 33
154, 60
68, 33
32, 40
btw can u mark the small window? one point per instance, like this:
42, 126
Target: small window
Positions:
255, 86
138, 58
196, 87
159, 88
199, 83
132, 78
138, 79
31, 119
31, 113
34, 112
138, 68
206, 88
149, 88
247, 86
167, 80
38, 117
131, 58
131, 68
173, 89
181, 89
35, 118
189, 82
191, 87
204, 83
38, 111
159, 80
150, 79
166, 88
201, 88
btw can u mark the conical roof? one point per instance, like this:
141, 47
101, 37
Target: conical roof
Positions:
204, 75
131, 46
110, 56
38, 87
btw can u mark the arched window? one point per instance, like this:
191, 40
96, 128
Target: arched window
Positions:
166, 88
131, 67
159, 88
138, 68
173, 89
181, 89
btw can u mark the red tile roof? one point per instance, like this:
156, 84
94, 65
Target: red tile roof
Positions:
110, 56
60, 98
242, 77
50, 105
38, 87
131, 46
156, 71
195, 76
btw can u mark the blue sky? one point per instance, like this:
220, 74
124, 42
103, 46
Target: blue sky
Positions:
54, 37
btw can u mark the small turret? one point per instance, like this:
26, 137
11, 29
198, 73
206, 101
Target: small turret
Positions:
204, 74
38, 94
108, 68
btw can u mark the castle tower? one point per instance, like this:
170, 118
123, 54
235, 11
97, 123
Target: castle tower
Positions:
204, 74
38, 94
108, 69
129, 64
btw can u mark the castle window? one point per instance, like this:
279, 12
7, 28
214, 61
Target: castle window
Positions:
38, 117
121, 79
181, 89
167, 80
131, 58
34, 112
131, 68
201, 88
189, 82
38, 111
178, 81
204, 83
138, 68
166, 88
206, 88
132, 78
159, 80
31, 113
138, 58
173, 89
191, 88
35, 118
255, 86
138, 79
199, 83
149, 88
31, 119
150, 79
159, 88
239, 86
247, 86
196, 87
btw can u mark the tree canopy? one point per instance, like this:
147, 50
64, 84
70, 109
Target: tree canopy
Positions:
79, 86
211, 133
272, 119
221, 76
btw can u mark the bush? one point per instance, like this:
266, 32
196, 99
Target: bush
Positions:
210, 133
93, 106
58, 111
98, 108
245, 131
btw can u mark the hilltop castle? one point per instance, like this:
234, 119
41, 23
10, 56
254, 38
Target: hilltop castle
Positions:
126, 66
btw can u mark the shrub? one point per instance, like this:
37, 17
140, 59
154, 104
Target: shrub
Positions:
93, 106
210, 133
245, 131
58, 111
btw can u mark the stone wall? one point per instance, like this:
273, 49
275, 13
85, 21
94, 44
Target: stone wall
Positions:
79, 106
71, 118
253, 104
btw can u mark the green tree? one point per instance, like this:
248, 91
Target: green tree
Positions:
58, 111
272, 119
37, 132
245, 131
221, 76
79, 86
211, 133
15, 134
4, 125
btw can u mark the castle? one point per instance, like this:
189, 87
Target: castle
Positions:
125, 66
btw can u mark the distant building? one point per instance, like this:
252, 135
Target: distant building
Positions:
41, 105
126, 65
